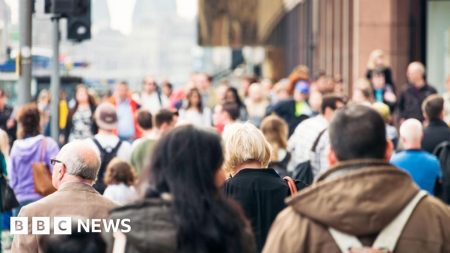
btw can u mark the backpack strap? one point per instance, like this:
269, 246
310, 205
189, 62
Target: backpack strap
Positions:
388, 237
291, 183
99, 146
43, 149
316, 142
103, 150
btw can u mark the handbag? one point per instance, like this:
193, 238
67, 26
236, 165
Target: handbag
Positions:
9, 200
41, 174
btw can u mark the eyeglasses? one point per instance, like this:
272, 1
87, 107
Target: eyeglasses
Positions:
55, 161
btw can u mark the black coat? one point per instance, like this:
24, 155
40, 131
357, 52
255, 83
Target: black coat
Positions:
387, 76
433, 135
410, 101
261, 194
286, 110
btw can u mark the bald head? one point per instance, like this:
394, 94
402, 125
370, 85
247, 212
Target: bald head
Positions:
411, 133
416, 72
80, 159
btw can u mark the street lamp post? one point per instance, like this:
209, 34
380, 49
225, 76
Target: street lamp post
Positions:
24, 89
55, 80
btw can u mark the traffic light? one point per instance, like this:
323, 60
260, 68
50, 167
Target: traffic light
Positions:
66, 7
79, 26
78, 13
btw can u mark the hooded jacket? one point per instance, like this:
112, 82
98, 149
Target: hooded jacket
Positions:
24, 153
359, 198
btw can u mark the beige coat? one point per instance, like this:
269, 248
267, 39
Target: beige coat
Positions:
71, 199
359, 198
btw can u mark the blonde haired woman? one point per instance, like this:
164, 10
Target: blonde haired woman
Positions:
378, 61
258, 189
276, 131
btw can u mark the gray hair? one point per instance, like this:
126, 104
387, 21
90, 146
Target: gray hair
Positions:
80, 159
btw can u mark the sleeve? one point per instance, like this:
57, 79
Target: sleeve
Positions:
401, 104
14, 169
25, 243
287, 233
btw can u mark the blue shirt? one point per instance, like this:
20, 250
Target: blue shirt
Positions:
125, 118
423, 167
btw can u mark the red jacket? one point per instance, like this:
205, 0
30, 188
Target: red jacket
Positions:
134, 107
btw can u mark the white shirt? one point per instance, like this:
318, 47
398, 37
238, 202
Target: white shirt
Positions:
302, 140
120, 193
152, 103
197, 118
110, 141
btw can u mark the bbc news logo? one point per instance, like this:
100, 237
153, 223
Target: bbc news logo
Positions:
65, 225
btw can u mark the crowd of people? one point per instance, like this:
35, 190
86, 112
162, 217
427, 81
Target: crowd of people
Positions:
207, 168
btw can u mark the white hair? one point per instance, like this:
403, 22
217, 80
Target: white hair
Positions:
411, 130
245, 143
416, 67
80, 159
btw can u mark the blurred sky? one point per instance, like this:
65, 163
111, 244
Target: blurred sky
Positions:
121, 12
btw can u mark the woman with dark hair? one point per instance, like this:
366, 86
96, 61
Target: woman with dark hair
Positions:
183, 210
30, 147
80, 121
232, 96
194, 112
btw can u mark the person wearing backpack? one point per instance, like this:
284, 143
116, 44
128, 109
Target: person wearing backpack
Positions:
106, 142
307, 132
362, 202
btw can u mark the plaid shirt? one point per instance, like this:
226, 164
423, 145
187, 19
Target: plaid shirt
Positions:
302, 140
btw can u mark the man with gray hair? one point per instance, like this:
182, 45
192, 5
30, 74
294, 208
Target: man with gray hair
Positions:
412, 97
75, 170
423, 167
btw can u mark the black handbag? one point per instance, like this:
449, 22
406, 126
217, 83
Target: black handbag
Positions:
8, 198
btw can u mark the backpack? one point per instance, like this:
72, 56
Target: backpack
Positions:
281, 166
106, 155
303, 172
442, 152
386, 239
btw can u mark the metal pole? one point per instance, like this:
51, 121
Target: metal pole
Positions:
24, 89
54, 85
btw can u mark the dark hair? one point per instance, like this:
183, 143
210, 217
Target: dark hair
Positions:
167, 84
357, 132
144, 119
2, 92
119, 171
330, 101
189, 96
236, 96
76, 242
91, 101
377, 71
29, 121
163, 116
232, 109
184, 163
433, 106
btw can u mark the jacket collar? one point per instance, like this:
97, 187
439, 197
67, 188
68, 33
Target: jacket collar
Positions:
75, 186
357, 197
439, 123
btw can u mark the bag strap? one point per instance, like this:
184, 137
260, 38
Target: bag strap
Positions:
43, 149
391, 233
99, 146
291, 184
316, 142
388, 237
116, 148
